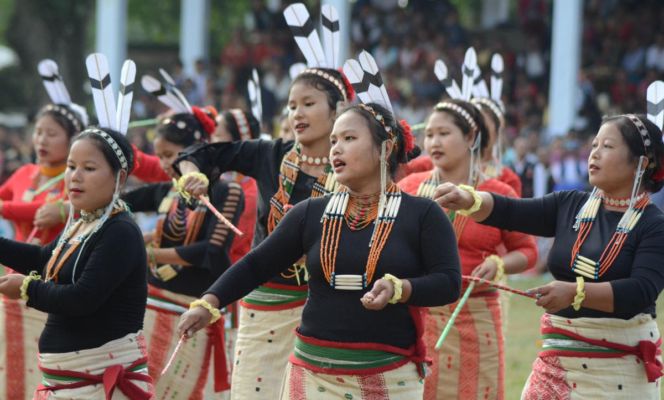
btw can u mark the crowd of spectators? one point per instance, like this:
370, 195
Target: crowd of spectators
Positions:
622, 51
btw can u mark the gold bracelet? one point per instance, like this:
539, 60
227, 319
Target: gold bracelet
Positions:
580, 294
500, 267
26, 282
179, 183
477, 201
216, 314
398, 288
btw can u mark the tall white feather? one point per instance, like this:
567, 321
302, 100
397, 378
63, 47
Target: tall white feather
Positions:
125, 96
355, 74
155, 88
497, 77
53, 83
175, 91
467, 73
655, 101
377, 89
452, 88
331, 35
102, 92
296, 69
254, 89
479, 85
306, 37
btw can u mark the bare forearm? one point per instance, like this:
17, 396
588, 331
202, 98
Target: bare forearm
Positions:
599, 296
515, 262
406, 290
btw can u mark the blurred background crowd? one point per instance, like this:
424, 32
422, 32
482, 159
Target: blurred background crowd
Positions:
622, 51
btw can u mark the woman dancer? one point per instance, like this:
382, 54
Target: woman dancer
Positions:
286, 173
94, 295
600, 336
470, 363
410, 254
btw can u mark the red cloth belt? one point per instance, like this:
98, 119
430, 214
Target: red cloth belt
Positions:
216, 334
646, 350
113, 377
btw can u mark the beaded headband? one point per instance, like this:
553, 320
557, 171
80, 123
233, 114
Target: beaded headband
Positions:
458, 110
645, 138
378, 117
491, 104
338, 84
113, 144
67, 113
241, 122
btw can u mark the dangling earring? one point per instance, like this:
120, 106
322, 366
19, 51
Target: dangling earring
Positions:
474, 160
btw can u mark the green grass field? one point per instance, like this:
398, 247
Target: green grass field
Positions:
523, 342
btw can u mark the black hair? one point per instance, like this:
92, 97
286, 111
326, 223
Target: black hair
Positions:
495, 118
332, 92
61, 120
106, 150
463, 124
234, 130
380, 134
181, 129
632, 137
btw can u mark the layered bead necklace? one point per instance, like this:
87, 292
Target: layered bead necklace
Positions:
357, 213
587, 267
288, 172
427, 190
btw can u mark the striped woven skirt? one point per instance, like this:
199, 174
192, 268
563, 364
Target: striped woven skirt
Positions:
597, 358
470, 365
320, 369
117, 370
20, 328
200, 357
265, 339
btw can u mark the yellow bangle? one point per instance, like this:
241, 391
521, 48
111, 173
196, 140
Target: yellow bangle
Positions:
26, 282
477, 201
179, 183
398, 288
580, 294
500, 267
216, 314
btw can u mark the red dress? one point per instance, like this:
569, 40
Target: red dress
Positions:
470, 363
20, 204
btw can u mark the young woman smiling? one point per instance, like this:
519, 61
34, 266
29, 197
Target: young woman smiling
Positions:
600, 336
286, 173
470, 363
374, 260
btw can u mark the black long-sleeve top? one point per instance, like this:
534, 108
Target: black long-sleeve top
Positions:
637, 274
108, 297
209, 253
421, 248
261, 160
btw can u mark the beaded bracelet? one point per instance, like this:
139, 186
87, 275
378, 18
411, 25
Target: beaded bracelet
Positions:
500, 267
216, 314
179, 183
477, 203
398, 288
580, 294
26, 282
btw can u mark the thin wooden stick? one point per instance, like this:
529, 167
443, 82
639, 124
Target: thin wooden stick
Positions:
219, 215
456, 312
499, 286
32, 234
172, 357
